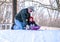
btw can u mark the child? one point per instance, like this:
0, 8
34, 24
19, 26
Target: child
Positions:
32, 25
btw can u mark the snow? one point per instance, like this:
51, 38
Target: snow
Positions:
29, 36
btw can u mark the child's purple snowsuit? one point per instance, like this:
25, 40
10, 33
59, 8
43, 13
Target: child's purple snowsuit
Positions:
35, 27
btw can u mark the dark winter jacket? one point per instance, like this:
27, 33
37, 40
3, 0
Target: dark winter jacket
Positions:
23, 15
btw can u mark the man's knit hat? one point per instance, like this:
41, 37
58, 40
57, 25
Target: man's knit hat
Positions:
31, 7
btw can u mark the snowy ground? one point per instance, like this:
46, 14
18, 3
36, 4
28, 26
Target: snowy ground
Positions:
49, 28
30, 36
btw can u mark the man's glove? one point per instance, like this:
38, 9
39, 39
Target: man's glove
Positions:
26, 19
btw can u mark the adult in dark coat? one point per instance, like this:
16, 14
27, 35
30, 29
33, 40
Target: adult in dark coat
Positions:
22, 17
